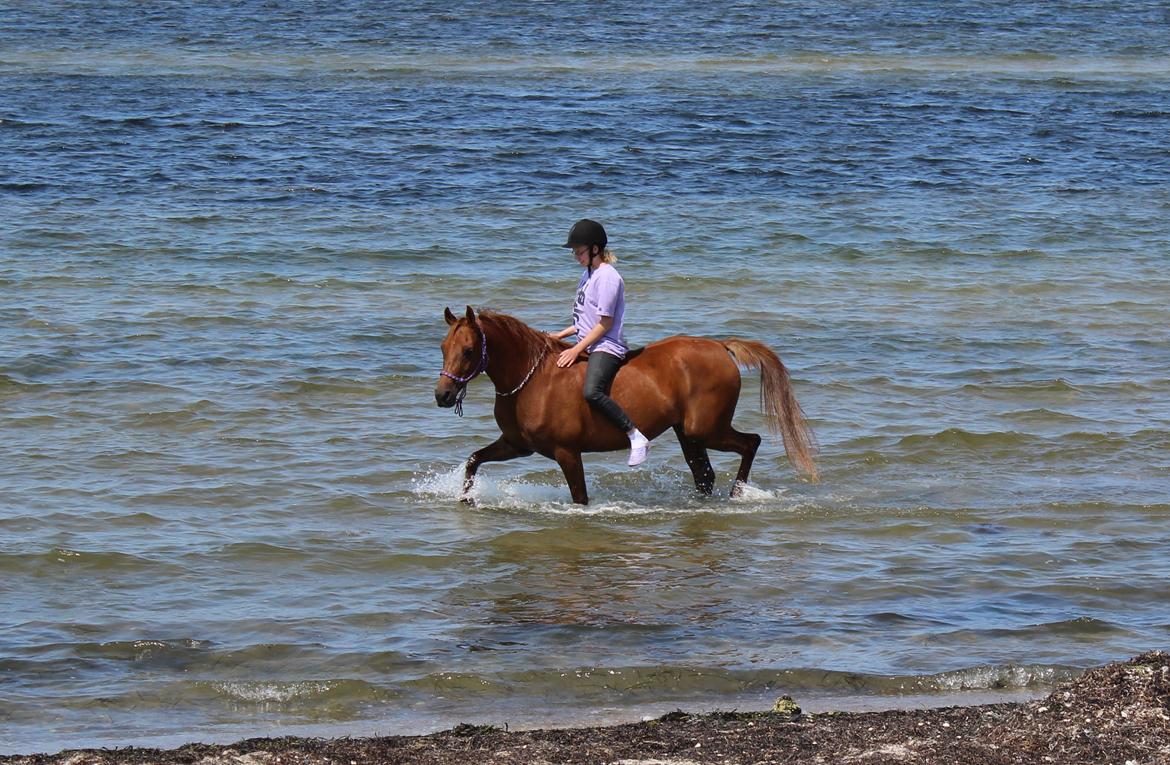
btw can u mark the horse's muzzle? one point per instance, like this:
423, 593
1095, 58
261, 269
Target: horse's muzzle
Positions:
445, 398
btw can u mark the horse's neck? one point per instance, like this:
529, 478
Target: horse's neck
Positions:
508, 362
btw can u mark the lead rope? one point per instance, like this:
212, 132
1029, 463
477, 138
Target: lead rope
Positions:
459, 400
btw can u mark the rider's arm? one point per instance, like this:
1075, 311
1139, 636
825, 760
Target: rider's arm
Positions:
592, 336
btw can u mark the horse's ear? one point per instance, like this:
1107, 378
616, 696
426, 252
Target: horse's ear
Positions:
470, 314
450, 317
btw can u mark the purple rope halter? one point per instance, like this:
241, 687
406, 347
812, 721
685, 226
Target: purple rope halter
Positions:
483, 362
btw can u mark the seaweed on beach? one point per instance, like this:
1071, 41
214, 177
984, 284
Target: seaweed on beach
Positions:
1119, 713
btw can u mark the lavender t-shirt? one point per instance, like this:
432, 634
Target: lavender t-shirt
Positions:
602, 294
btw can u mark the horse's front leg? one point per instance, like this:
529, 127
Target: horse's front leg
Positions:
574, 470
499, 450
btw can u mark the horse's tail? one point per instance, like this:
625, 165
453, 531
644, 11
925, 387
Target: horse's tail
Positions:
781, 411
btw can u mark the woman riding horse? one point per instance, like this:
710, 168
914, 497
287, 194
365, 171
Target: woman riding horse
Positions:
598, 317
688, 384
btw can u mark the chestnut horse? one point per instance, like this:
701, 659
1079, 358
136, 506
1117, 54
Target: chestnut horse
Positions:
690, 384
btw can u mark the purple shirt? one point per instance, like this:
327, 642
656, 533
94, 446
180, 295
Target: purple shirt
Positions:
603, 294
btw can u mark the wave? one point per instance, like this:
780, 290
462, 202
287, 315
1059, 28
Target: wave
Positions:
327, 387
1058, 385
198, 413
12, 123
299, 693
262, 552
201, 659
952, 439
138, 650
60, 560
965, 439
1143, 114
350, 697
1052, 440
144, 120
220, 320
183, 62
25, 187
674, 681
341, 698
10, 385
1080, 628
41, 364
1044, 416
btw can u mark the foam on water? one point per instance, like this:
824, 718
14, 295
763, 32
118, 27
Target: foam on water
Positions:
519, 494
284, 692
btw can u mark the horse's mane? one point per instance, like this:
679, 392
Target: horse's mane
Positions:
518, 334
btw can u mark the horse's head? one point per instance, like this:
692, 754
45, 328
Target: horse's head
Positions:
464, 357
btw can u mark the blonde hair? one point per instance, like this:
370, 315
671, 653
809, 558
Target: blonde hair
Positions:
607, 256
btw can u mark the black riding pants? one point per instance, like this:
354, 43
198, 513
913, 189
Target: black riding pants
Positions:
603, 367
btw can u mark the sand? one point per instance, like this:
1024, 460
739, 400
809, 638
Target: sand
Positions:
1118, 714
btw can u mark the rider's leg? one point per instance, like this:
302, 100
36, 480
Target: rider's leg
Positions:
603, 367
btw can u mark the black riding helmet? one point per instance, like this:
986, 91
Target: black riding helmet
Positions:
587, 232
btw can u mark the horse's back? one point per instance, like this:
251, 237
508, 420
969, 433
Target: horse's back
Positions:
684, 352
691, 382
674, 381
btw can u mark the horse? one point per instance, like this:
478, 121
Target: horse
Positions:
688, 384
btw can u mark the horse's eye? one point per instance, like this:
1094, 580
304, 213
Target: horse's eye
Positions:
467, 353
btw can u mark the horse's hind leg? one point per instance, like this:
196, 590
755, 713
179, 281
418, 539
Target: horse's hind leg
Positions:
497, 451
697, 459
743, 444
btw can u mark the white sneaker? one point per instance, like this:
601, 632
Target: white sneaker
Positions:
639, 448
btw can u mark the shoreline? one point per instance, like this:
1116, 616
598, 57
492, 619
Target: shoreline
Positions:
517, 719
1117, 713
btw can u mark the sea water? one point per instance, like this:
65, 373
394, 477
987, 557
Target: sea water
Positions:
230, 507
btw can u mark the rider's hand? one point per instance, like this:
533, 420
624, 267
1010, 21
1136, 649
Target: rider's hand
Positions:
567, 357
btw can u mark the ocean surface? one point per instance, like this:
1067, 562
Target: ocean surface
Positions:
229, 505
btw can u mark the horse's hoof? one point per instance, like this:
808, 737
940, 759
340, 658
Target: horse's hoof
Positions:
467, 500
737, 489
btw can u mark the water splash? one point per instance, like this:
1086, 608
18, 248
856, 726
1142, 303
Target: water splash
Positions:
663, 492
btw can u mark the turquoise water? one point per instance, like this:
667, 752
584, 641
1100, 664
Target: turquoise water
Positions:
228, 504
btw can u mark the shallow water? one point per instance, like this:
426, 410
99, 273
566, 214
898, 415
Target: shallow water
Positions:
228, 503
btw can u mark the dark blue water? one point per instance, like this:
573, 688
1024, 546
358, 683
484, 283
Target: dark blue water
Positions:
228, 505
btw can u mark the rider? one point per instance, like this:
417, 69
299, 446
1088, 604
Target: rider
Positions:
597, 323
